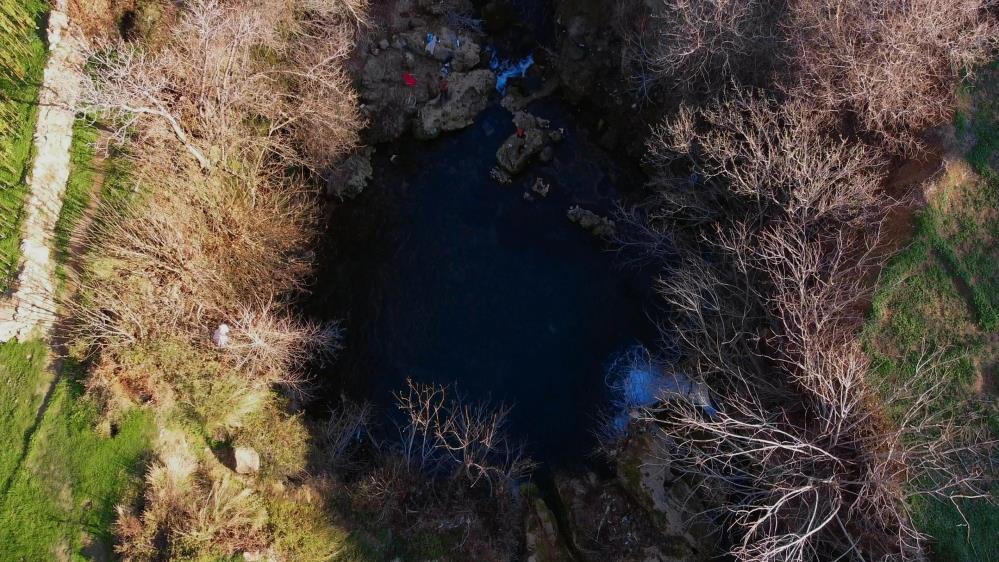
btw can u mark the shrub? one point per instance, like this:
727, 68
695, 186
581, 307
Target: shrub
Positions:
194, 515
281, 440
767, 303
892, 65
698, 46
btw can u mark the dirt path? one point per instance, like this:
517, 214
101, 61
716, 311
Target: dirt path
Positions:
31, 311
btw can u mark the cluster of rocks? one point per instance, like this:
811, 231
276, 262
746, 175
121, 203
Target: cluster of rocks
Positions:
418, 74
645, 514
594, 223
422, 78
533, 137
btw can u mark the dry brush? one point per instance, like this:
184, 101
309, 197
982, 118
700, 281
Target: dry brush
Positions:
224, 123
808, 462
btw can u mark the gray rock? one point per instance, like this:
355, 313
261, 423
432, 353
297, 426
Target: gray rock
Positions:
443, 53
352, 175
468, 94
596, 224
517, 151
247, 460
466, 54
547, 153
500, 176
540, 187
383, 44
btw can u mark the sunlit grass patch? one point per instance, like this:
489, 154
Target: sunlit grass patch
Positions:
60, 500
79, 190
941, 294
18, 113
64, 466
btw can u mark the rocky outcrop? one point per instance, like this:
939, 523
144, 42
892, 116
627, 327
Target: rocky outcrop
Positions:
466, 96
607, 524
673, 501
596, 224
542, 540
420, 74
31, 310
349, 178
532, 138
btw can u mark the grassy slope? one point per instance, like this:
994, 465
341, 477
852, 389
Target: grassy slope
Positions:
23, 97
61, 500
60, 479
943, 293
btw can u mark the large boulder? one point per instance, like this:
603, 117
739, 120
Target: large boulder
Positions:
541, 535
594, 223
674, 501
532, 136
604, 523
468, 94
386, 99
351, 176
247, 460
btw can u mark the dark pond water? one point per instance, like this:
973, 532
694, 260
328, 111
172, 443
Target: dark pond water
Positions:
443, 275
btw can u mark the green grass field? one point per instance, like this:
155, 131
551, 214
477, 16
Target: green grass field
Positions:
18, 106
942, 294
63, 470
58, 501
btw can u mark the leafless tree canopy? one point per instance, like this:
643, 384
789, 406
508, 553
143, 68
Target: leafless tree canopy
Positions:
698, 45
892, 64
881, 68
782, 221
446, 433
239, 93
216, 75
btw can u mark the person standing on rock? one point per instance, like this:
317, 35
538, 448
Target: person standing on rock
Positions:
445, 93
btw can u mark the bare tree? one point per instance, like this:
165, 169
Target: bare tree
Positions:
346, 428
893, 64
128, 85
470, 438
768, 305
266, 340
698, 45
207, 82
836, 483
425, 410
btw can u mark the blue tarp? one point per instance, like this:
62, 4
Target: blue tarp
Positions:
505, 69
636, 380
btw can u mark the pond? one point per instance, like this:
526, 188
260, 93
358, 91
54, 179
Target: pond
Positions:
443, 275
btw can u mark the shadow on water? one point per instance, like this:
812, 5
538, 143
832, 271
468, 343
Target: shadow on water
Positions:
443, 275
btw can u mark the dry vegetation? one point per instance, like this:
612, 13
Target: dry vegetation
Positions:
891, 65
778, 220
882, 68
697, 46
774, 200
775, 208
225, 120
461, 439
